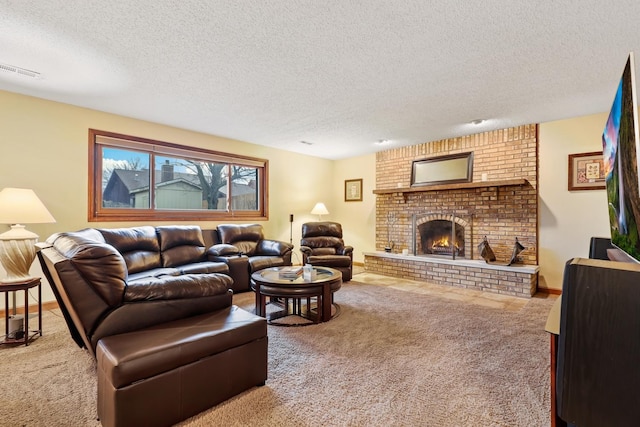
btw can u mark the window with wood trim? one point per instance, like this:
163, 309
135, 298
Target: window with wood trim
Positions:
133, 178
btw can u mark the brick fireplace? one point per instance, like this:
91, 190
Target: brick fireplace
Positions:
501, 203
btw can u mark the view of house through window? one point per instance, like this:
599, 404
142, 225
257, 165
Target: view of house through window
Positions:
124, 174
139, 179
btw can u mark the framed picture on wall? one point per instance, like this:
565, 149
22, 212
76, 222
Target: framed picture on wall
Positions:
586, 171
353, 190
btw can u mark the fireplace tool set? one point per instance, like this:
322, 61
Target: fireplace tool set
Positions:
391, 220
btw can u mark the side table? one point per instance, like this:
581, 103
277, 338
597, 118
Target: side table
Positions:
7, 287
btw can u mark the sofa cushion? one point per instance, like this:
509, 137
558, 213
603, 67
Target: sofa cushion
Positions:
271, 247
330, 260
154, 272
245, 237
204, 267
325, 228
138, 245
322, 242
261, 262
323, 251
246, 248
177, 287
126, 358
181, 244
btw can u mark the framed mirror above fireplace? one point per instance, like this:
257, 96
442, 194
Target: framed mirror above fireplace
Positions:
442, 169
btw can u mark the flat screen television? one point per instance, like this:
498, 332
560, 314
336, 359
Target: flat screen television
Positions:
620, 143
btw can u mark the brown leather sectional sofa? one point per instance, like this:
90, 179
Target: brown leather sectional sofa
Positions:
98, 275
154, 306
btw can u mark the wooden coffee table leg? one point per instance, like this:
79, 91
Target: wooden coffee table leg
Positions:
326, 302
260, 302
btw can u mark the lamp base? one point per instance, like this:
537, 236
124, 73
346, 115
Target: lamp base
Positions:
17, 252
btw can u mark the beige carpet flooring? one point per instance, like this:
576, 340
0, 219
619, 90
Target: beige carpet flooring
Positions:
396, 356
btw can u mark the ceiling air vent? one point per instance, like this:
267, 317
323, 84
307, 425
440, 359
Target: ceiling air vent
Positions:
21, 71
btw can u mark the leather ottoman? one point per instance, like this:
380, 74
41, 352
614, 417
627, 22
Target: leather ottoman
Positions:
164, 374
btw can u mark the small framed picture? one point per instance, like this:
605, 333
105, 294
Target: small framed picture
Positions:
586, 171
353, 190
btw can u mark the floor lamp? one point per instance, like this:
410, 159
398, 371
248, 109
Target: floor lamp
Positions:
291, 228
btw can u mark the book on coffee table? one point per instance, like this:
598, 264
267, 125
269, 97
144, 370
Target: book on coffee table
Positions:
290, 272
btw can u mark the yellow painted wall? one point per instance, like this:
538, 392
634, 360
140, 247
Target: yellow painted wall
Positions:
45, 148
567, 219
358, 219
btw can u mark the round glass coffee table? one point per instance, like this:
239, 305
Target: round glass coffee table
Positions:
290, 293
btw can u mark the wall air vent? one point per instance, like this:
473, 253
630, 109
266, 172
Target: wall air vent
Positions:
21, 71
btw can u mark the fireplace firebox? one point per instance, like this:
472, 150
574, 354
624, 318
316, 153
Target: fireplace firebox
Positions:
441, 237
440, 234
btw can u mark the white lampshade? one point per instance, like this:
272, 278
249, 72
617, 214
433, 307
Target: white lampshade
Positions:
17, 246
319, 209
22, 206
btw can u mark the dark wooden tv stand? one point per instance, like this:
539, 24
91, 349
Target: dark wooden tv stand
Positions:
553, 327
598, 349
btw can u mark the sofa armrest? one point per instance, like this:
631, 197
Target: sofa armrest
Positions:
97, 265
273, 248
306, 250
237, 263
222, 250
346, 250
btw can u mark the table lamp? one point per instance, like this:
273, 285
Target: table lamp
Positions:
319, 209
17, 246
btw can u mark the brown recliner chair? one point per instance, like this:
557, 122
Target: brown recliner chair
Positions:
322, 246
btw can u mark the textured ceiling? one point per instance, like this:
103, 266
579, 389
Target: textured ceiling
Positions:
340, 75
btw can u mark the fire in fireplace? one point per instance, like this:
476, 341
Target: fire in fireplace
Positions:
441, 237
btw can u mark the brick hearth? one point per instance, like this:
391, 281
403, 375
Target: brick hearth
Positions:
517, 280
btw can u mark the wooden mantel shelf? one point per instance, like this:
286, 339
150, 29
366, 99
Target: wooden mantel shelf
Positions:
456, 186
